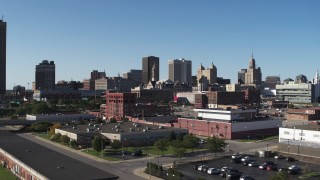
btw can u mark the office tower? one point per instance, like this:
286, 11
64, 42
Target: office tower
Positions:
272, 81
180, 70
242, 76
3, 45
97, 75
45, 75
210, 73
253, 74
150, 69
133, 74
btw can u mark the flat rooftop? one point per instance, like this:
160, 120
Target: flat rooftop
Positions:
312, 127
116, 128
47, 162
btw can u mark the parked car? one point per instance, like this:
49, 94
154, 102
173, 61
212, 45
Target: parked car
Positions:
246, 162
236, 156
195, 167
245, 158
232, 174
279, 157
213, 171
236, 160
272, 167
246, 178
294, 167
204, 168
290, 159
253, 164
138, 152
265, 164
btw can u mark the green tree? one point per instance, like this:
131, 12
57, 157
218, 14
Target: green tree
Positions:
178, 148
98, 143
112, 120
215, 144
40, 108
64, 139
116, 144
73, 143
190, 141
55, 137
162, 145
172, 136
40, 126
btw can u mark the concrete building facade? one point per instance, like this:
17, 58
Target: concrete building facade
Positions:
210, 73
3, 56
180, 70
45, 75
253, 74
301, 93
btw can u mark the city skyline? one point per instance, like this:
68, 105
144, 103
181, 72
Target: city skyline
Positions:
114, 36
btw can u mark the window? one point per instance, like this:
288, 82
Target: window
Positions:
316, 135
16, 169
301, 134
286, 132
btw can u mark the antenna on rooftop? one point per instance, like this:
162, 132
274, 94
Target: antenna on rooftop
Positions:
2, 17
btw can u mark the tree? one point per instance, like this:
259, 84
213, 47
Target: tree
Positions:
53, 128
178, 148
162, 145
116, 144
98, 143
215, 144
40, 107
64, 139
73, 143
112, 120
55, 137
172, 136
40, 126
190, 141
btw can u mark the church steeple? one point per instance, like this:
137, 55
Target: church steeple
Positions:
252, 62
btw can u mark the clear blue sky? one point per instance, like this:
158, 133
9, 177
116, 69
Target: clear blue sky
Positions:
114, 35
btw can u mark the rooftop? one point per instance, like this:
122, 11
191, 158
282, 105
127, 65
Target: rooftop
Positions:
115, 128
47, 162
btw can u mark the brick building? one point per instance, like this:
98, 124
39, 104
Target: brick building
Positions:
118, 105
218, 97
304, 114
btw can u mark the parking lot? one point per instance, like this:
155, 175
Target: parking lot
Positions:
256, 173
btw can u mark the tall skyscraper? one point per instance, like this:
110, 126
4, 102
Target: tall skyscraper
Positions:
180, 70
150, 69
45, 75
253, 74
3, 47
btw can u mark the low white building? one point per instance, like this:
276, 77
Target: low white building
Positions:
59, 117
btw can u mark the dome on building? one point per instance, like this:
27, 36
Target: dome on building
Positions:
287, 80
301, 79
